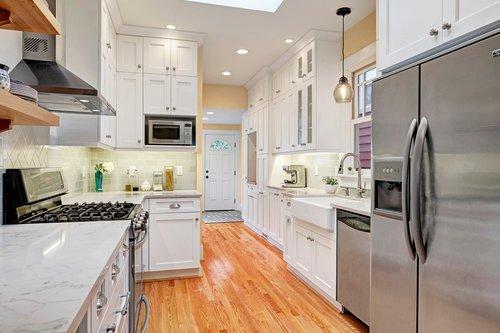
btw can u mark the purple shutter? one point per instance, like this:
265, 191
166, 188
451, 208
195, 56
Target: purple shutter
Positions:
364, 143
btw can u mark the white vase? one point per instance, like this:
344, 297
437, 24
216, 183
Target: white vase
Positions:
331, 189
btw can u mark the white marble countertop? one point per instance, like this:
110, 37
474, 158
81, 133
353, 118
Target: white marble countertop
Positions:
49, 271
301, 191
132, 197
359, 206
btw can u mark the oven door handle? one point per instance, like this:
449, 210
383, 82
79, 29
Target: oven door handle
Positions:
142, 240
405, 191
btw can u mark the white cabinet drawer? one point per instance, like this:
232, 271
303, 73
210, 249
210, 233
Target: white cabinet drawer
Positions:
174, 205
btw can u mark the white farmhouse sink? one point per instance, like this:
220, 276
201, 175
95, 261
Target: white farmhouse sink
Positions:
315, 210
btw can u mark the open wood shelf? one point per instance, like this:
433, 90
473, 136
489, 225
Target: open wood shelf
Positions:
17, 111
28, 15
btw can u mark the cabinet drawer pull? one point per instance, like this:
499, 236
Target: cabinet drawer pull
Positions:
446, 26
139, 66
115, 270
175, 206
168, 68
261, 99
111, 328
433, 32
289, 204
100, 302
108, 136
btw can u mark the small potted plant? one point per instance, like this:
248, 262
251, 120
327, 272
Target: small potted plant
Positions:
331, 184
100, 169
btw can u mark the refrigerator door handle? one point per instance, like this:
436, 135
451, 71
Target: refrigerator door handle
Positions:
405, 193
415, 185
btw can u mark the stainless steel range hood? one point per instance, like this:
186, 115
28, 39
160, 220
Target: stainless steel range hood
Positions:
59, 90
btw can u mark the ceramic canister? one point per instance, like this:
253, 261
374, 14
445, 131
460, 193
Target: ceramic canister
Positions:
4, 77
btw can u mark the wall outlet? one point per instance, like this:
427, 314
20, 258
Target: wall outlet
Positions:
180, 170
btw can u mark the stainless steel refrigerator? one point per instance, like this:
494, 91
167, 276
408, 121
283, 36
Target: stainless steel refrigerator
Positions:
435, 264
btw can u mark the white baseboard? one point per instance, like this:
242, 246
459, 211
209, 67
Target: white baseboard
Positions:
173, 274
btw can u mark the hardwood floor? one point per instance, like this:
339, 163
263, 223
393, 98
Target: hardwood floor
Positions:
245, 288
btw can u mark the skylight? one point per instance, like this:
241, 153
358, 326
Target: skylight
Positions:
261, 5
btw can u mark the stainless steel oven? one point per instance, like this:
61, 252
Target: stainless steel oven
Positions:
170, 131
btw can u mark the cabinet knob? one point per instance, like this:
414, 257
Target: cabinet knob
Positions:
433, 32
139, 66
174, 108
175, 206
108, 45
139, 141
167, 107
111, 328
446, 26
293, 82
278, 91
173, 68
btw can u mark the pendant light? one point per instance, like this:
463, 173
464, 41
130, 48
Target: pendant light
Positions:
343, 92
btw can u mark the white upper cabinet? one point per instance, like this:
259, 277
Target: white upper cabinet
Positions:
278, 86
129, 116
157, 92
258, 94
184, 59
409, 28
157, 56
129, 54
107, 130
276, 119
462, 16
262, 128
309, 59
184, 101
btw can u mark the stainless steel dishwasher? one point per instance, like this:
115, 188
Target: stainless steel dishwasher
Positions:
353, 263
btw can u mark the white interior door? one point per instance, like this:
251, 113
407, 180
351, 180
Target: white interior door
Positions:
220, 171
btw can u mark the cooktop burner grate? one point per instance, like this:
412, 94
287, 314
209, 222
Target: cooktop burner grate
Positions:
86, 212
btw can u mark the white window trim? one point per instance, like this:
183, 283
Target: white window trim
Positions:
355, 62
357, 85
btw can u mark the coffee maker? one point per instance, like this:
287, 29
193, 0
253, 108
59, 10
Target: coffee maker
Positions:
297, 174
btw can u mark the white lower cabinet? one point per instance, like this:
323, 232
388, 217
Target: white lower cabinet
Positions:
275, 221
312, 253
252, 210
174, 241
263, 211
288, 239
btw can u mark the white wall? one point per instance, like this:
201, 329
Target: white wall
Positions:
10, 47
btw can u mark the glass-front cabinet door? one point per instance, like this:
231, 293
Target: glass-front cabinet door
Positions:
300, 119
310, 63
306, 115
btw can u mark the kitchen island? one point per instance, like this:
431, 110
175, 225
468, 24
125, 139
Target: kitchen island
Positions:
50, 272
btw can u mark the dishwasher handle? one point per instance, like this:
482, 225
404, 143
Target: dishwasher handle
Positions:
355, 223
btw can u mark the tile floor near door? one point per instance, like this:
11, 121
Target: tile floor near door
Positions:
245, 288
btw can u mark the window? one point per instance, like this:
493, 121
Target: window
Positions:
220, 145
362, 120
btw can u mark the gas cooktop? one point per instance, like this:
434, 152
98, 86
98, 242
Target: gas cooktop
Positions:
84, 212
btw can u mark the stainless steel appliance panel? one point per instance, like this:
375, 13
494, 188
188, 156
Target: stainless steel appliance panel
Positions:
395, 104
393, 305
460, 280
353, 263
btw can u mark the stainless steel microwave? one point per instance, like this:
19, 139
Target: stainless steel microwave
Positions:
170, 131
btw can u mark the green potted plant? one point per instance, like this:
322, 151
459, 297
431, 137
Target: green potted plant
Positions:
100, 169
331, 184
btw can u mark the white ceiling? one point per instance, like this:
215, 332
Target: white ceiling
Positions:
228, 29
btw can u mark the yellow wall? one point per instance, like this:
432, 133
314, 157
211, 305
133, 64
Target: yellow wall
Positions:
219, 96
360, 35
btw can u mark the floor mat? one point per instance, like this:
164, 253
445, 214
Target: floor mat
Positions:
221, 216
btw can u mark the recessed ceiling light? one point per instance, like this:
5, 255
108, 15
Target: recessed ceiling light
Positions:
205, 118
210, 112
226, 73
84, 100
288, 41
242, 51
261, 5
171, 27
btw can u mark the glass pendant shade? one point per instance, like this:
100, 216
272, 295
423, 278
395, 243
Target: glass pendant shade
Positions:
343, 92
